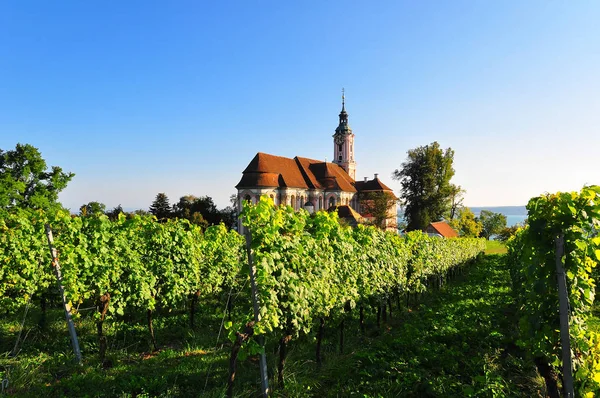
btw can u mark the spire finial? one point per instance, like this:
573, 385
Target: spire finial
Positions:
343, 99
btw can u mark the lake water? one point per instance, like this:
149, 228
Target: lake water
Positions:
512, 219
514, 214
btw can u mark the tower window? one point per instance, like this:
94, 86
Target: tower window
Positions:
340, 147
340, 158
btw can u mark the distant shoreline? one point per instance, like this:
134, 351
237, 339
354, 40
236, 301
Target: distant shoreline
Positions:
506, 210
514, 214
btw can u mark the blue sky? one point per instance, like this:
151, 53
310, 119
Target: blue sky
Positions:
141, 97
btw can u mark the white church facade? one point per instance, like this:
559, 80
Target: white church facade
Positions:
312, 184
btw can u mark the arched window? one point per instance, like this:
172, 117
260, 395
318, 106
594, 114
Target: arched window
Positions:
332, 201
248, 198
293, 202
320, 202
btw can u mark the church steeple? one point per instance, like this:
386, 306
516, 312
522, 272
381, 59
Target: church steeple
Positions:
343, 125
343, 112
343, 142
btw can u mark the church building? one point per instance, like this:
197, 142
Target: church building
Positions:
313, 184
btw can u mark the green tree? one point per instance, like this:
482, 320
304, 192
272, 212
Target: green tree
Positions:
229, 215
377, 206
206, 206
466, 223
203, 211
493, 223
426, 192
25, 181
161, 207
113, 214
185, 207
92, 208
507, 232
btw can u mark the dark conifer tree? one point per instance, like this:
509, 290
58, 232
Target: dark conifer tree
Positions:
161, 207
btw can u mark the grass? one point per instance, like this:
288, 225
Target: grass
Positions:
495, 247
453, 342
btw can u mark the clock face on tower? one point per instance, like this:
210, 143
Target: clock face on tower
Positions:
339, 139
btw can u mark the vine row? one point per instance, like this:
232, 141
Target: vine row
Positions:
532, 262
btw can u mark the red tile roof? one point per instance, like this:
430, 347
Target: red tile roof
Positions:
372, 185
267, 170
272, 171
443, 229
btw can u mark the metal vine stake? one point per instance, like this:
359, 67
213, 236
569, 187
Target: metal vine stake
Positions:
61, 290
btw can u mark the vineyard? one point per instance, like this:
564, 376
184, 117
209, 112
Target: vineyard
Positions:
310, 271
169, 293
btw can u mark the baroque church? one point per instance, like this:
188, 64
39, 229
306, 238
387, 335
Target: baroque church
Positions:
314, 184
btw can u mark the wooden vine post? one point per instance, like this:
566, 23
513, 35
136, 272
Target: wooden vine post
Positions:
563, 297
264, 377
61, 290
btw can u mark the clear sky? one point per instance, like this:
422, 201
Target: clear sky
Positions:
141, 97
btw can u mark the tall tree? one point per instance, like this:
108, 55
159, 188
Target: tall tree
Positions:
185, 207
92, 208
207, 207
25, 181
161, 207
493, 223
426, 189
456, 201
378, 206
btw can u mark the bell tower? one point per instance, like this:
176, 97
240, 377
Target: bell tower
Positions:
343, 143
